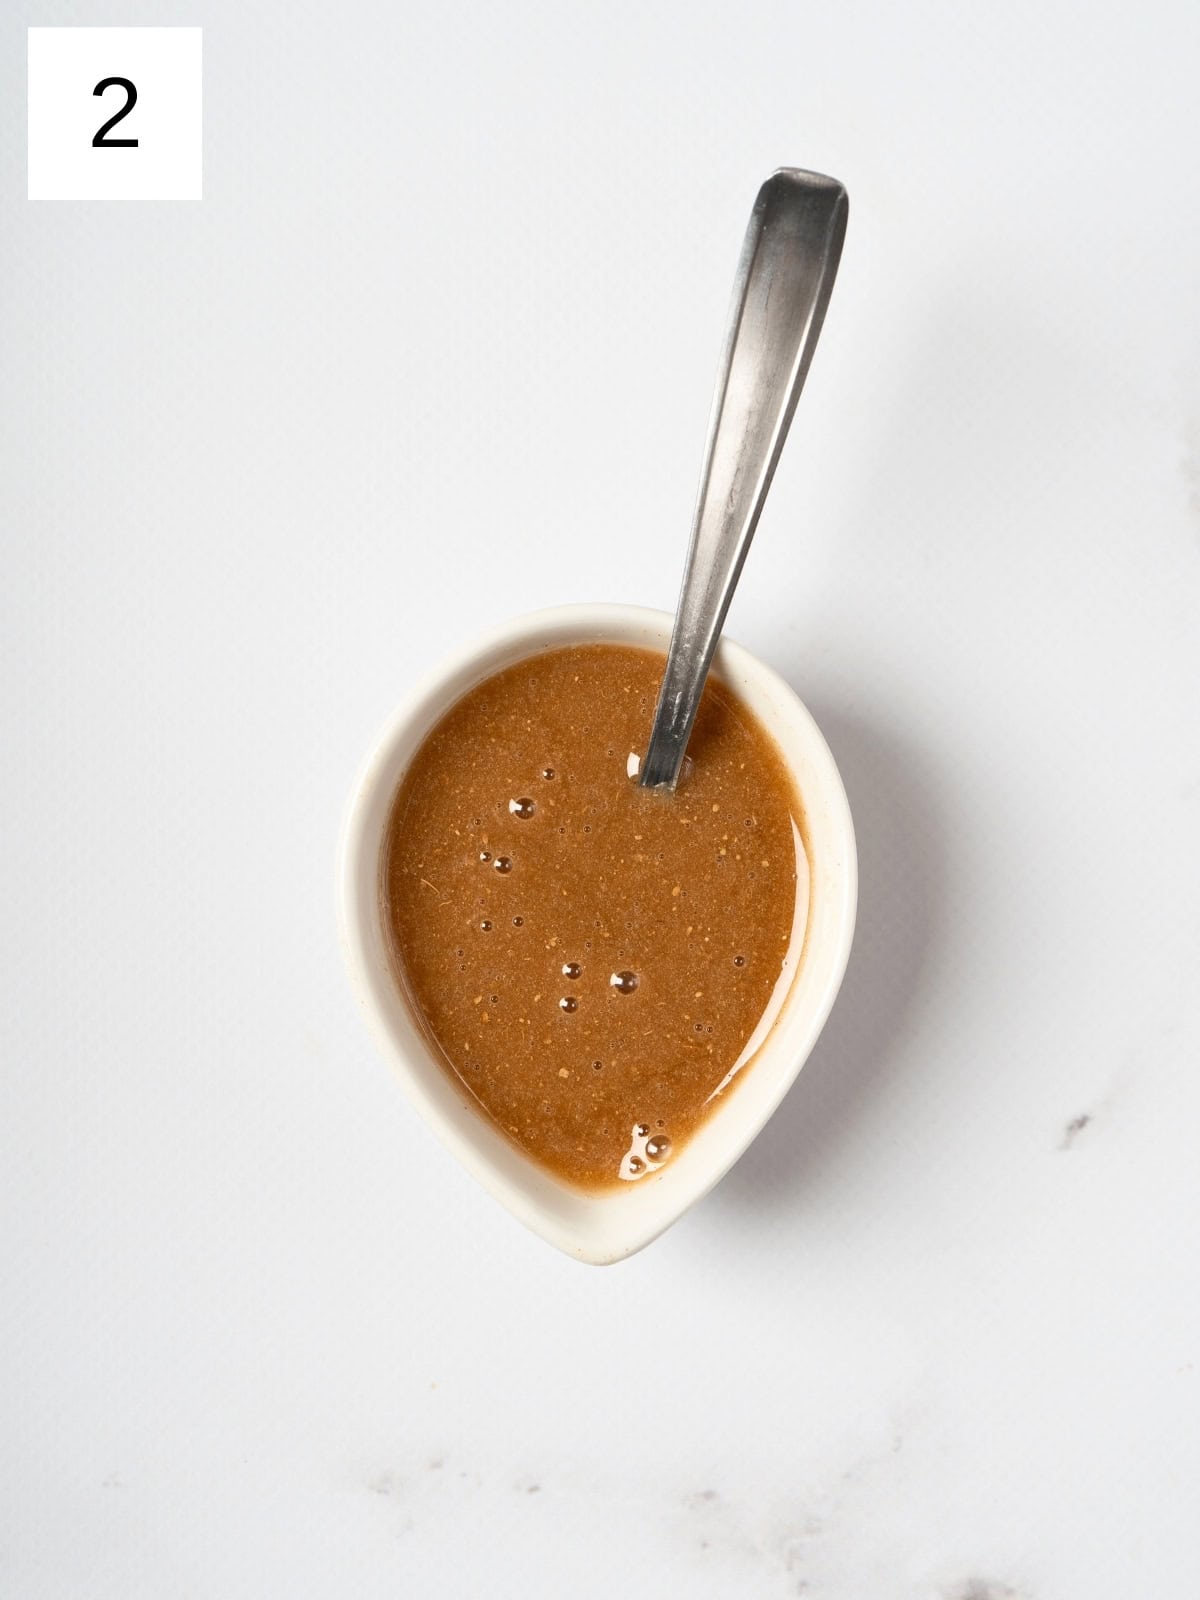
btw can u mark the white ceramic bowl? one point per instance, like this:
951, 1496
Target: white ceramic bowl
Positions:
606, 1226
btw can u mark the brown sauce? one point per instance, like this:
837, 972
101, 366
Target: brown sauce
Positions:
591, 958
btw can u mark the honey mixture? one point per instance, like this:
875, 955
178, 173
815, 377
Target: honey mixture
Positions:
591, 957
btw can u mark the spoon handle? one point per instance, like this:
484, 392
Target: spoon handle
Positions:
780, 294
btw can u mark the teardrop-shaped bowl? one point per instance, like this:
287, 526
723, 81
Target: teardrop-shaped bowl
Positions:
605, 1225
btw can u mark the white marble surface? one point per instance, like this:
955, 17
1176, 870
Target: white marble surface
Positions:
438, 346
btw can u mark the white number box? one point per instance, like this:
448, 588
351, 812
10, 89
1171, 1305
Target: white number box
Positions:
93, 92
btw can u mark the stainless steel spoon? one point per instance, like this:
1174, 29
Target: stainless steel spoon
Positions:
784, 279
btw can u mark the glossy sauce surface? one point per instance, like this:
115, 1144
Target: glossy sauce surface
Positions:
592, 958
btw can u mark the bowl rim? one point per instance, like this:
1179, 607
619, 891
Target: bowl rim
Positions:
607, 1225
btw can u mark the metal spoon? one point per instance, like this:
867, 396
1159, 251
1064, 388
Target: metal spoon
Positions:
780, 293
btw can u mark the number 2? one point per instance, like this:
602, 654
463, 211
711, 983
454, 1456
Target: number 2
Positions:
98, 139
